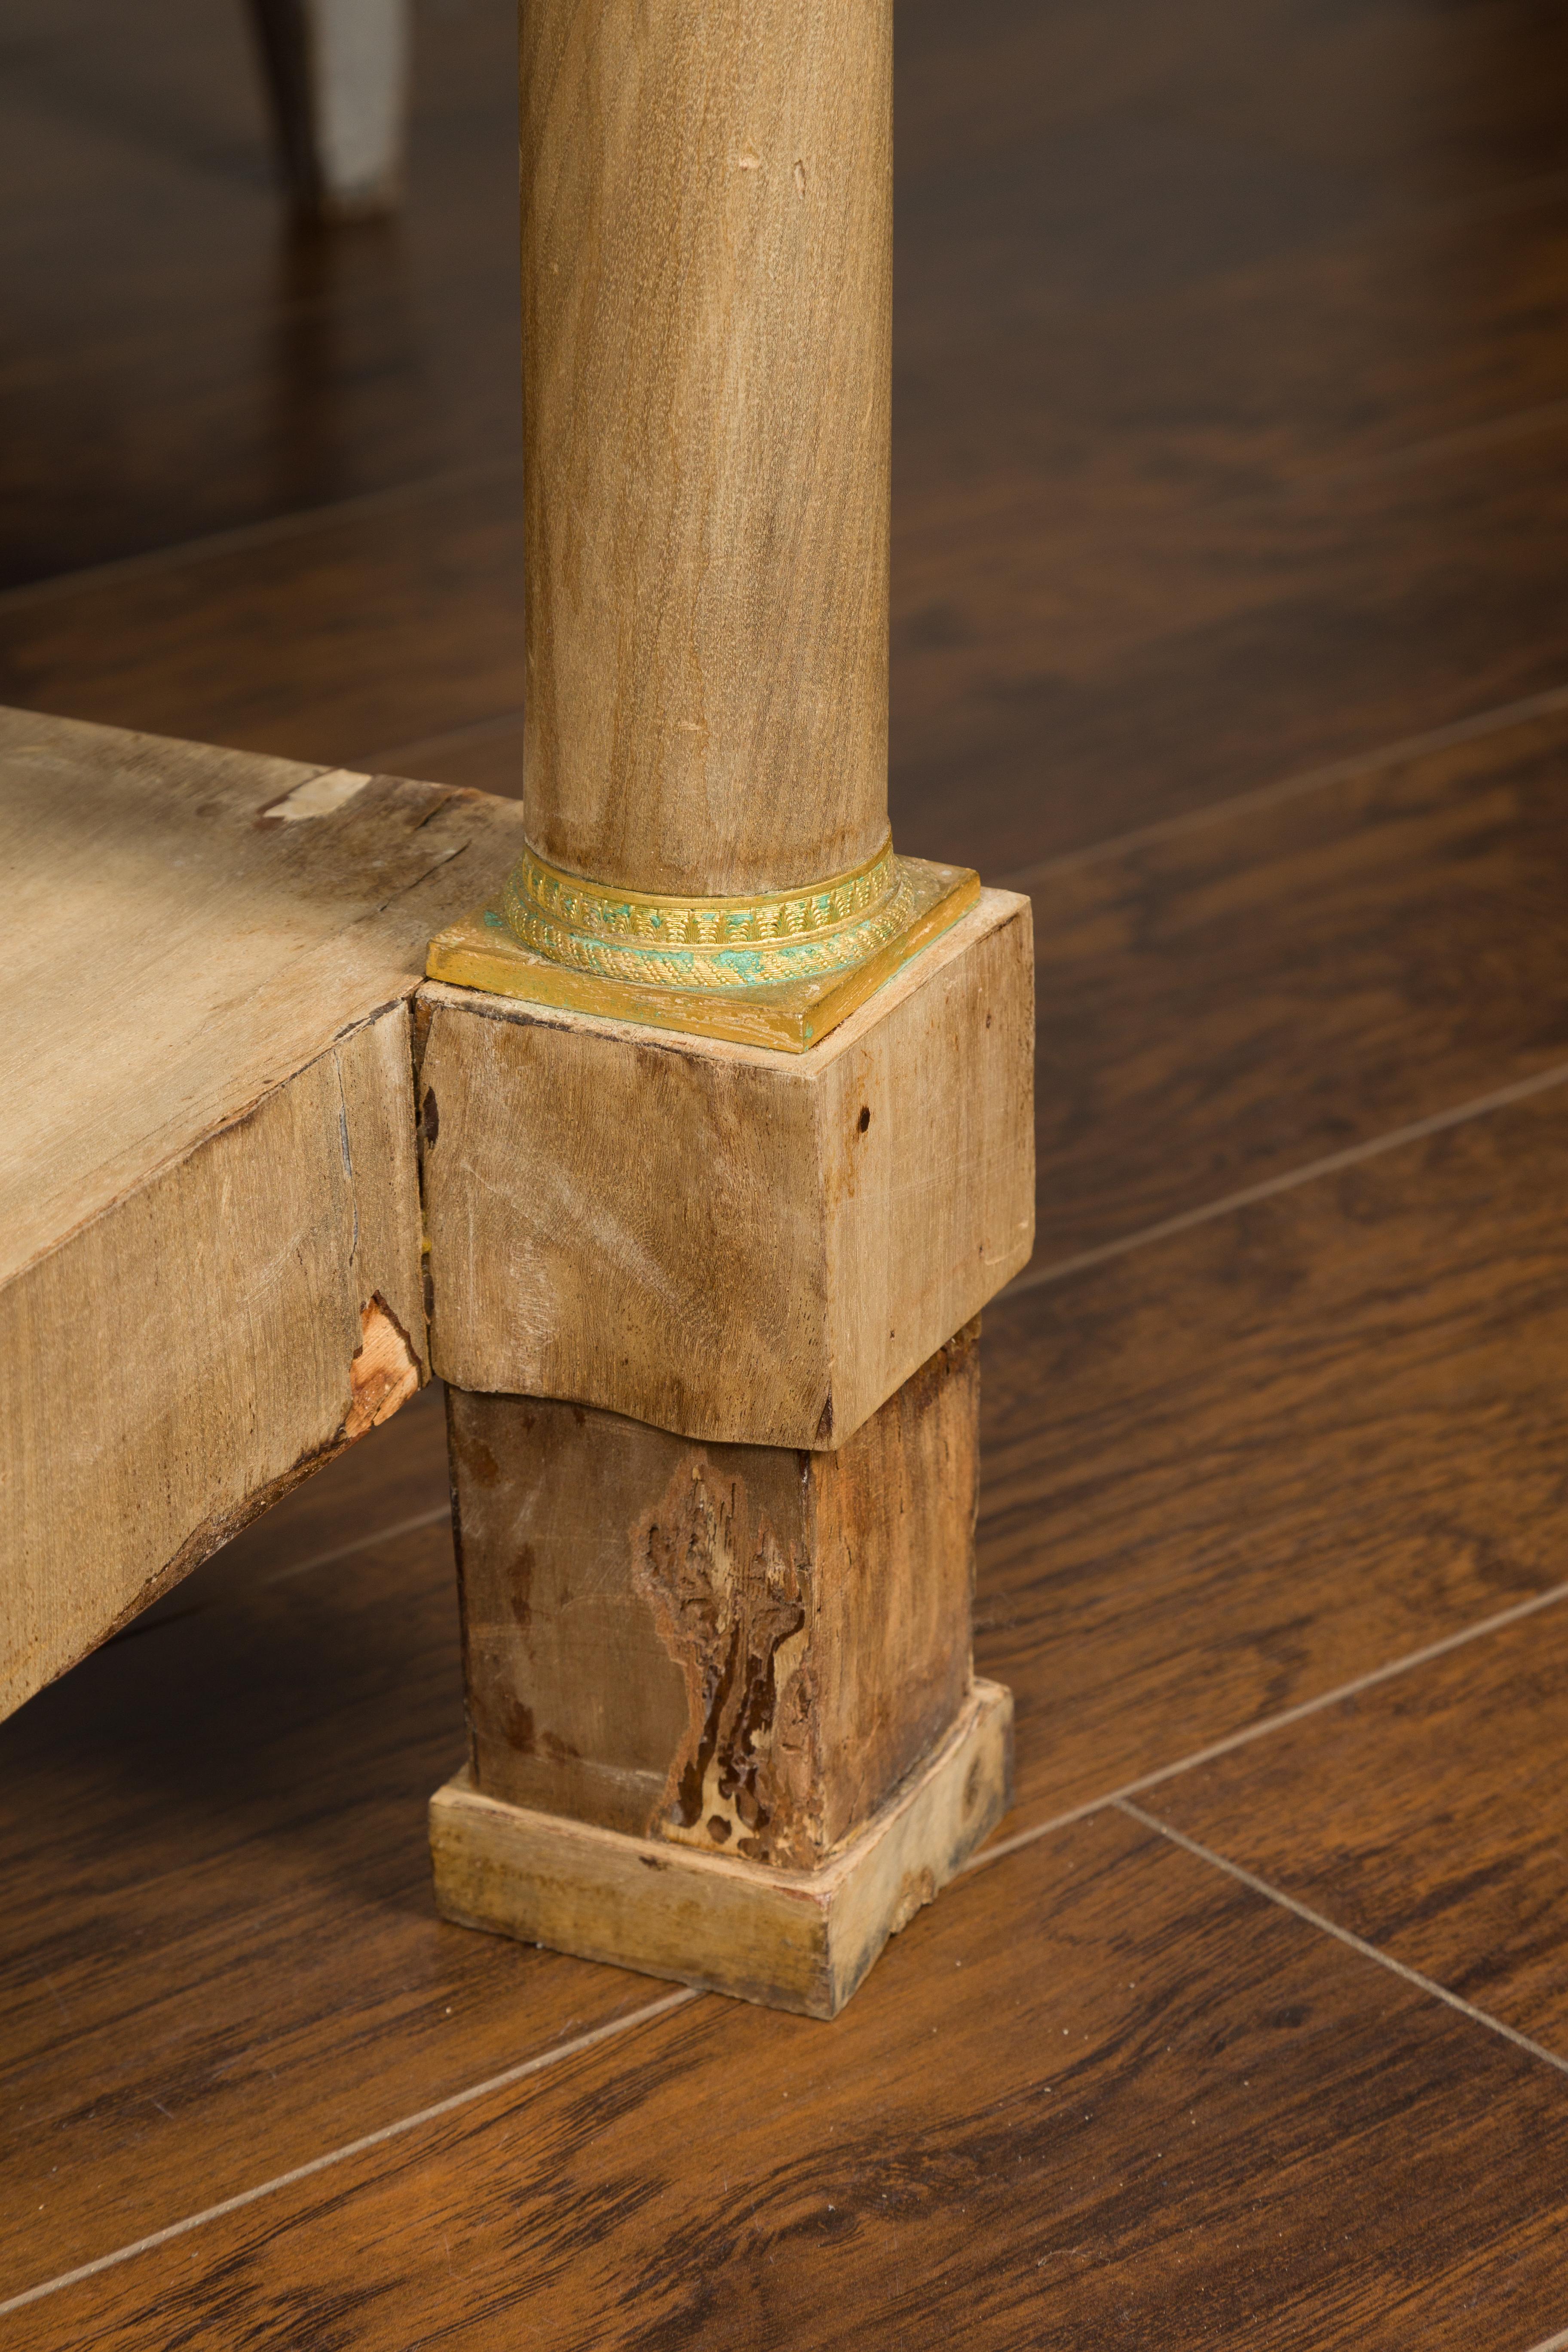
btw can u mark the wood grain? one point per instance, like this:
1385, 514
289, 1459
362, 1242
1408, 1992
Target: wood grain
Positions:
210, 1276
1176, 294
1230, 1471
188, 1355
742, 1648
1426, 593
707, 276
1127, 299
1226, 363
1424, 1815
1191, 650
326, 368
318, 639
1286, 316
1363, 285
786, 1242
1287, 980
1098, 2095
228, 1958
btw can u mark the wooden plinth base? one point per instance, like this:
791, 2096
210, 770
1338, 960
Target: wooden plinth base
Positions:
798, 1940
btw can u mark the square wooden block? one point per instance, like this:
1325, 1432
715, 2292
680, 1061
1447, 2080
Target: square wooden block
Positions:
733, 1243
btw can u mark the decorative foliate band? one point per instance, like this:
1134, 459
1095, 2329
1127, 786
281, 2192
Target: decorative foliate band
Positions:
722, 943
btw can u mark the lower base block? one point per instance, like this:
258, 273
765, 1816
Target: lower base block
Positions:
800, 1940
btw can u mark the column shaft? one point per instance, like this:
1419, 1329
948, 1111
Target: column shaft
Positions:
707, 252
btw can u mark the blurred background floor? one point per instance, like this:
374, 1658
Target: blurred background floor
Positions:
1231, 619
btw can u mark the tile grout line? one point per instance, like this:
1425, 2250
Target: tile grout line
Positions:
266, 530
1487, 433
1118, 1798
361, 1543
1495, 720
1392, 1139
1341, 1935
335, 2156
472, 731
1404, 748
296, 522
1390, 1672
1061, 1269
1512, 196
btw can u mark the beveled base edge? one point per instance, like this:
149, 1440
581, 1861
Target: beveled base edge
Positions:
800, 1940
481, 951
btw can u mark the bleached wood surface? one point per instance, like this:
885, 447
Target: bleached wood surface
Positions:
209, 1222
731, 1243
707, 286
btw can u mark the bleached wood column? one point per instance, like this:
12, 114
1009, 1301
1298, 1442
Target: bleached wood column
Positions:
725, 1104
706, 260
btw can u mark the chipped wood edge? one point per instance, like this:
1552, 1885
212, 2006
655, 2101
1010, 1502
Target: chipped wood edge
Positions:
799, 1940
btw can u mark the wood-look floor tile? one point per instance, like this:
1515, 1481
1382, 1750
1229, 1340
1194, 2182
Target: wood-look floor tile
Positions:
1099, 2095
1222, 1476
1204, 301
1269, 988
1427, 1815
1197, 672
1227, 1473
175, 359
1277, 984
1230, 361
1097, 621
1065, 672
354, 630
220, 1955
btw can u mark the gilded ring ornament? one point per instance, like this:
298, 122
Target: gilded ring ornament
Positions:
709, 944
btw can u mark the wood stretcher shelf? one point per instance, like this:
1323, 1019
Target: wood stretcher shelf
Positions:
210, 1275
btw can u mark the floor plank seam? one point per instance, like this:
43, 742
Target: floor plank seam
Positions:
1516, 423
1353, 1155
1345, 1936
439, 1514
1493, 720
1120, 1800
268, 530
1271, 1724
540, 2064
474, 730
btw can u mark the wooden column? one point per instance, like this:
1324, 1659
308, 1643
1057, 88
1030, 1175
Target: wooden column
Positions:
725, 1106
707, 268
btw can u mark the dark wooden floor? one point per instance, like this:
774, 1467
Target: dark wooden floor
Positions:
1232, 619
